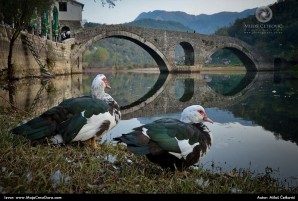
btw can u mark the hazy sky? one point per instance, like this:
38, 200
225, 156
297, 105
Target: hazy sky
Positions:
128, 10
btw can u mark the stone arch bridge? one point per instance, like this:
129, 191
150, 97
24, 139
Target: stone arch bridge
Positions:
161, 45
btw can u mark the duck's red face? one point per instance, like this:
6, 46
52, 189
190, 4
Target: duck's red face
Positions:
106, 82
205, 117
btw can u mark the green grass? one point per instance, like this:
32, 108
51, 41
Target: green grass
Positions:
28, 169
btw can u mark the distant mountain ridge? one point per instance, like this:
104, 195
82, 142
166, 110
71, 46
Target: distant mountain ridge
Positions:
204, 24
159, 24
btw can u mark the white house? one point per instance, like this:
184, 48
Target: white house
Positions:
69, 14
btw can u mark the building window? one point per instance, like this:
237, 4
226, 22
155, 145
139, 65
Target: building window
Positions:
62, 6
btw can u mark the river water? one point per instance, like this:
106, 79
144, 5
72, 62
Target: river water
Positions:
255, 114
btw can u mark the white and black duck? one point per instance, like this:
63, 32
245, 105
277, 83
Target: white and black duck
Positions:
172, 143
75, 119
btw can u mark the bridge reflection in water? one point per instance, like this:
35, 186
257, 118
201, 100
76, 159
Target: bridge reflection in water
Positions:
164, 96
169, 94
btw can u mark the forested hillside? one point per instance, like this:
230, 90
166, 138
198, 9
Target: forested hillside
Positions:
159, 24
277, 37
204, 24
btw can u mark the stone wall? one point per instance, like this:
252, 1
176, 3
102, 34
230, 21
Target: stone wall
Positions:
55, 55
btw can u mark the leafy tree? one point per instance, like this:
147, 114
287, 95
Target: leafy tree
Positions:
87, 54
102, 54
17, 14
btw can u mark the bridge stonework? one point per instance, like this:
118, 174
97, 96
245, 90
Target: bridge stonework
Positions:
161, 45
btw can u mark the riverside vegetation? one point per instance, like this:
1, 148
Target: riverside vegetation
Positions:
111, 169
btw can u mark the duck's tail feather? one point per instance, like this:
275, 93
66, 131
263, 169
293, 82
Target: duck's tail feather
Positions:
136, 142
35, 129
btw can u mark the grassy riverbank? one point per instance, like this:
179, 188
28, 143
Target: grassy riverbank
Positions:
111, 169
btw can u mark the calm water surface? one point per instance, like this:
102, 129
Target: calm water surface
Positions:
255, 114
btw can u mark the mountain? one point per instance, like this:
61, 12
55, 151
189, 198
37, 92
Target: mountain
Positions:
159, 24
205, 24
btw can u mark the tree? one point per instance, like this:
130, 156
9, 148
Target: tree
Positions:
102, 54
17, 14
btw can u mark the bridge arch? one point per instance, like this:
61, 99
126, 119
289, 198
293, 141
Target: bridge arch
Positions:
242, 53
188, 50
156, 54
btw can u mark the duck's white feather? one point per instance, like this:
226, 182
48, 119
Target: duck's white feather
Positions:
93, 124
185, 148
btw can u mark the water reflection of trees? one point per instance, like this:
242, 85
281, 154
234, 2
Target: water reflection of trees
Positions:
271, 104
34, 95
230, 84
253, 99
274, 106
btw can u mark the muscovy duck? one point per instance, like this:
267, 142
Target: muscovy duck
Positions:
75, 119
171, 143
